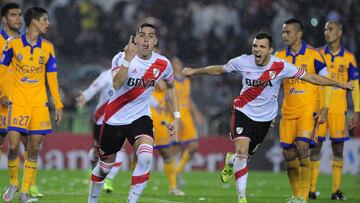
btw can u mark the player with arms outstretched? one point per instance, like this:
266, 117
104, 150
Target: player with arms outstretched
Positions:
257, 105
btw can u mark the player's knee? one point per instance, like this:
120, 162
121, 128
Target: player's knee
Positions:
13, 148
303, 151
145, 156
104, 168
289, 154
338, 153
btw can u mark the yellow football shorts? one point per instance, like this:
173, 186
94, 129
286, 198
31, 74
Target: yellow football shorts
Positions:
336, 124
298, 129
29, 120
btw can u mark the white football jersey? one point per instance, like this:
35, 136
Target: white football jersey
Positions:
258, 97
132, 100
103, 84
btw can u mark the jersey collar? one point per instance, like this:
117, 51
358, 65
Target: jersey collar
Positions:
301, 51
4, 34
341, 52
26, 43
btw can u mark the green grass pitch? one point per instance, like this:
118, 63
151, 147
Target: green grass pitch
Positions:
72, 186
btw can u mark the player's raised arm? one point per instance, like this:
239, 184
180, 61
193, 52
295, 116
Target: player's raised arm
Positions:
120, 73
320, 80
209, 70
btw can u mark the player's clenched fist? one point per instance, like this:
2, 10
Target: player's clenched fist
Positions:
188, 71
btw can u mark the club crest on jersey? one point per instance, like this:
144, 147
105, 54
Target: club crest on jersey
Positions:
272, 75
239, 130
19, 57
41, 60
156, 72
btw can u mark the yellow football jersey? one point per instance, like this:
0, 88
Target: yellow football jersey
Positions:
183, 88
4, 80
301, 96
28, 65
342, 67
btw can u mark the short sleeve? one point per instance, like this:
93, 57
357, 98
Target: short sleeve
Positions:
168, 75
319, 64
234, 64
7, 53
116, 63
51, 65
291, 71
353, 71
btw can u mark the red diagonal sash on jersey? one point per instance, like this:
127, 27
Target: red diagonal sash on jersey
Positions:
135, 92
100, 111
253, 92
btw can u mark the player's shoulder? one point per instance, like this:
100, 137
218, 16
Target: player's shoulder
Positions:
312, 50
116, 59
46, 44
280, 53
348, 53
160, 57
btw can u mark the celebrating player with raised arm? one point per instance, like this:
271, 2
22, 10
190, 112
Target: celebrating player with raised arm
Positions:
257, 104
127, 116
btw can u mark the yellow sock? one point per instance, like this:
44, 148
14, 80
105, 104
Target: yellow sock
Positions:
184, 159
13, 170
169, 169
305, 176
314, 167
33, 180
292, 168
29, 171
337, 166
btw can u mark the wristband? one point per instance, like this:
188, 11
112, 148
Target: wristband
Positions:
177, 114
125, 63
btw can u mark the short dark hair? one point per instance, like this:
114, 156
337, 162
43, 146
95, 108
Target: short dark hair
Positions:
145, 25
299, 24
7, 7
265, 35
33, 13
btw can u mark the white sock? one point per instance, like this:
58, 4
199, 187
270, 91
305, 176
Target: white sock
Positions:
97, 180
141, 172
120, 158
241, 174
232, 159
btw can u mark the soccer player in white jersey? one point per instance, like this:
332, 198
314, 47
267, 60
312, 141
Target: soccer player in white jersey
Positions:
257, 105
127, 115
102, 84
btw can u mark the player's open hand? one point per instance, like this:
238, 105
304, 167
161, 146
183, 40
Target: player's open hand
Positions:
174, 127
188, 71
354, 120
130, 49
323, 115
80, 101
4, 101
58, 116
348, 86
